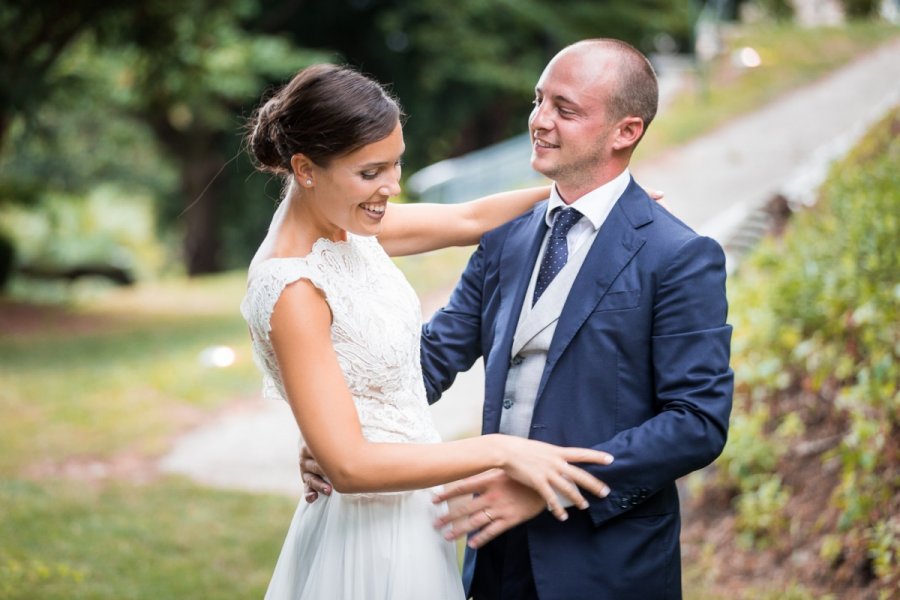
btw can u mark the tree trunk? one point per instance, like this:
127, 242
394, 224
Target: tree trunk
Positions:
200, 187
195, 150
5, 120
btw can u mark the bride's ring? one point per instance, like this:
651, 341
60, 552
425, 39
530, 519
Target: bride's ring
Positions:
488, 515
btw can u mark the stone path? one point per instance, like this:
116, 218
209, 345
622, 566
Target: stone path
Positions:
712, 183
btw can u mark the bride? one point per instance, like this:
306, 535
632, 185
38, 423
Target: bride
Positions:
335, 329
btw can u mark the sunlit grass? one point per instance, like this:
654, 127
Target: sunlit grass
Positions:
166, 540
130, 380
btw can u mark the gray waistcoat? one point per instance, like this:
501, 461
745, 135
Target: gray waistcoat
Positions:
534, 333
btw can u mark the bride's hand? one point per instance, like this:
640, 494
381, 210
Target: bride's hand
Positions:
546, 469
658, 196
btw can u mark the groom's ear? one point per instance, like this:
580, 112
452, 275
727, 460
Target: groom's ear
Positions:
302, 166
628, 133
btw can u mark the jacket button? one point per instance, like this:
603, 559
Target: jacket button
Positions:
516, 360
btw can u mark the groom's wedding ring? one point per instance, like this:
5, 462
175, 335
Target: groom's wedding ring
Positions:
488, 515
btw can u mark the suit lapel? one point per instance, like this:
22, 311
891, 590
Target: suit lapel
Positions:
615, 245
547, 310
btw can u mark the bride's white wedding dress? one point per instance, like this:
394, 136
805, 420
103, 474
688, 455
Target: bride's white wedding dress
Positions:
360, 546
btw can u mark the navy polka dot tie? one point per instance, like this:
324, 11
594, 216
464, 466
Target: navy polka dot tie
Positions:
557, 252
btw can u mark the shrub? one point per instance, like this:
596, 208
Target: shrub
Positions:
856, 9
817, 330
780, 10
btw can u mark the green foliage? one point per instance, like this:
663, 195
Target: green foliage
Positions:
150, 96
80, 138
884, 545
760, 511
109, 226
780, 10
744, 459
746, 468
164, 540
817, 313
465, 71
856, 9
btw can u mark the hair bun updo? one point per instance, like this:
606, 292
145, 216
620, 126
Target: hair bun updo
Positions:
324, 112
263, 140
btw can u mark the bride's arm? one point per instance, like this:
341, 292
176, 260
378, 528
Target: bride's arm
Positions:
415, 228
325, 412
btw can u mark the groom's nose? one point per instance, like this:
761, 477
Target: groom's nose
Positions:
539, 117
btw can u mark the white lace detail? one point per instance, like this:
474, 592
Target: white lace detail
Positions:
375, 331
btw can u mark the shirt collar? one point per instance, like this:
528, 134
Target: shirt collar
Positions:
596, 204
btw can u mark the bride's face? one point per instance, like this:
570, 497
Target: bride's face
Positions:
353, 191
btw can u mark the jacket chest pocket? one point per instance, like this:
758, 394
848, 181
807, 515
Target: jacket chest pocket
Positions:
619, 301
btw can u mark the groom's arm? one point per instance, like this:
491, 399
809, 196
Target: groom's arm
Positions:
693, 384
693, 389
451, 340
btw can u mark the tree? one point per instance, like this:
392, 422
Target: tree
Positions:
35, 35
465, 70
196, 69
189, 70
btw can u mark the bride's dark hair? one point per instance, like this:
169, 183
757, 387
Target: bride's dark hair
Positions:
324, 112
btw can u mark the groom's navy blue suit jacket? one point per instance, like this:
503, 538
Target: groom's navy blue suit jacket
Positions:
638, 367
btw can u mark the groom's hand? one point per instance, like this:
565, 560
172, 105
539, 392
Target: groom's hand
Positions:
500, 503
314, 479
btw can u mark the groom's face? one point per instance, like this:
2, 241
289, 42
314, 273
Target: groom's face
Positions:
570, 129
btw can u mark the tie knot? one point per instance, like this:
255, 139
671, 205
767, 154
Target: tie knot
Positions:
564, 221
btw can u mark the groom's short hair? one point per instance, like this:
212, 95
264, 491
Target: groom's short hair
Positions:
637, 92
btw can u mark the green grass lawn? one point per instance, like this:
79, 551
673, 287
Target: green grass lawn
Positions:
129, 380
171, 539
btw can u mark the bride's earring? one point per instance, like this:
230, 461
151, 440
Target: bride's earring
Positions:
309, 182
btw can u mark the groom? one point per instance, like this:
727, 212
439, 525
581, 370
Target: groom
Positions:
601, 319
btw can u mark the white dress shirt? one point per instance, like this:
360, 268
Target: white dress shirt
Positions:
595, 206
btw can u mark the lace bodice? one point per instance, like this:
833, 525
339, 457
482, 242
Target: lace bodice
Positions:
376, 324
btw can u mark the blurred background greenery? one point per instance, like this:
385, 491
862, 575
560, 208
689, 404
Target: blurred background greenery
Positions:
127, 210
